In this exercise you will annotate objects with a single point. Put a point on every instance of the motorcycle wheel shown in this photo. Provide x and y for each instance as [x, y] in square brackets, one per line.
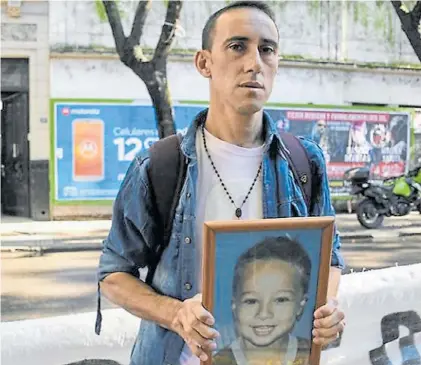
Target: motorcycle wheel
[368, 215]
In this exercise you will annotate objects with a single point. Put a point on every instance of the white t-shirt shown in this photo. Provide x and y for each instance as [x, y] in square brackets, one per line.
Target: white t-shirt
[237, 167]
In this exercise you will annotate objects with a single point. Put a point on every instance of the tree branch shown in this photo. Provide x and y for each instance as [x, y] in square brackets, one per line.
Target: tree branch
[416, 13]
[141, 14]
[116, 26]
[409, 26]
[168, 30]
[397, 5]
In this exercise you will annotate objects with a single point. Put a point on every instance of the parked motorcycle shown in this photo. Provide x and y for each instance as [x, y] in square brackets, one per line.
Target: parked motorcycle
[397, 196]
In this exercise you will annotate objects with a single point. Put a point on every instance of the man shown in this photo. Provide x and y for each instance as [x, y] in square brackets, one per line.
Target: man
[231, 174]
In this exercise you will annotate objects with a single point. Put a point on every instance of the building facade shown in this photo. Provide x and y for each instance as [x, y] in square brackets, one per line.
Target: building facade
[25, 93]
[334, 54]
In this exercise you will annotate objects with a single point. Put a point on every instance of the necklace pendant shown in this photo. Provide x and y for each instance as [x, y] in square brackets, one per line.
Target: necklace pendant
[238, 212]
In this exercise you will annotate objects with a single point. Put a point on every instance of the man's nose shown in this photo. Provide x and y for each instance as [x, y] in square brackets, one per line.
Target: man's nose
[253, 61]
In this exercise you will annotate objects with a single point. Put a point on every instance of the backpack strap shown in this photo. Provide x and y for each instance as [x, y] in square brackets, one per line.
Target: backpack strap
[300, 165]
[166, 171]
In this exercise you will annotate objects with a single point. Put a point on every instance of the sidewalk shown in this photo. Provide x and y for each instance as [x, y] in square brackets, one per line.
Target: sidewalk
[24, 234]
[350, 228]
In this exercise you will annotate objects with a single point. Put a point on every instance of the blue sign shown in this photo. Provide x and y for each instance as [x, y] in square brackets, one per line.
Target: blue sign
[95, 143]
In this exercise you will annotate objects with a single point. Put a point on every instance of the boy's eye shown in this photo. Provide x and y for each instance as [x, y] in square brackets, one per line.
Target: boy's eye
[282, 299]
[250, 301]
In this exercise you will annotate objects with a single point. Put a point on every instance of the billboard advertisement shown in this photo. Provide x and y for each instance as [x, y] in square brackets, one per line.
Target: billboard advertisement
[416, 148]
[349, 138]
[94, 143]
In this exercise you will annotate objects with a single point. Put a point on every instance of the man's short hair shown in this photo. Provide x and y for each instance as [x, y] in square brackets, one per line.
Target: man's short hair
[208, 30]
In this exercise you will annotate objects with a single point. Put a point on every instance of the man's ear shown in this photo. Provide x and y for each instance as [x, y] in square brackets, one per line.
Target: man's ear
[202, 62]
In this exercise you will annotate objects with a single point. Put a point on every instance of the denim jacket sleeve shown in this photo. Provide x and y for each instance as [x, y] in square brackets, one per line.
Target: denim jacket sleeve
[323, 203]
[130, 242]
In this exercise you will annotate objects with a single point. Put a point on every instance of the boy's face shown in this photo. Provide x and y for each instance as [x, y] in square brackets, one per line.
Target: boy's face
[269, 299]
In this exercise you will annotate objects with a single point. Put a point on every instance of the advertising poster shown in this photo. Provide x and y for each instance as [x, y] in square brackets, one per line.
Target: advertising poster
[416, 149]
[95, 142]
[417, 121]
[349, 138]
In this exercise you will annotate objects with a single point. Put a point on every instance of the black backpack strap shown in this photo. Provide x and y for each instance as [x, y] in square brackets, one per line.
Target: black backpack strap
[166, 171]
[300, 165]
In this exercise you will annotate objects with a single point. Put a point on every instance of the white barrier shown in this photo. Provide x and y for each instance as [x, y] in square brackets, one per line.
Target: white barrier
[65, 339]
[390, 295]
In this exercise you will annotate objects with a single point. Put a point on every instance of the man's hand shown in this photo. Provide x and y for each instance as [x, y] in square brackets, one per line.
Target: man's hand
[193, 323]
[328, 324]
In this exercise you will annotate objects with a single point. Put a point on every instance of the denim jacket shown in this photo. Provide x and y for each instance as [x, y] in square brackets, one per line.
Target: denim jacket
[132, 238]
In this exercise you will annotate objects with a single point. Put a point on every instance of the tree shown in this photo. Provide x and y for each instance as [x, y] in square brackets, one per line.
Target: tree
[153, 72]
[411, 24]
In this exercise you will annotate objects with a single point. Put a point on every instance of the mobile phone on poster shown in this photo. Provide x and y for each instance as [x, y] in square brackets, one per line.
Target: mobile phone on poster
[88, 149]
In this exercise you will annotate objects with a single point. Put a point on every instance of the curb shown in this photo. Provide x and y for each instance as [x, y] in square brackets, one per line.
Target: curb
[45, 246]
[374, 236]
[43, 250]
[345, 236]
[41, 246]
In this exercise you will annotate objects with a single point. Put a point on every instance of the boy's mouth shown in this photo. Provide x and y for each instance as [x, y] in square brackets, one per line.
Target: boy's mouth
[263, 330]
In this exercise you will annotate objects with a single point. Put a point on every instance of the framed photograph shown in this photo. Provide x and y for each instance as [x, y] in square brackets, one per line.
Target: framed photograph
[262, 281]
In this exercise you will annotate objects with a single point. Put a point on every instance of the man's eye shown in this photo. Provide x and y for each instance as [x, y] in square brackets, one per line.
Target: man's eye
[236, 47]
[268, 49]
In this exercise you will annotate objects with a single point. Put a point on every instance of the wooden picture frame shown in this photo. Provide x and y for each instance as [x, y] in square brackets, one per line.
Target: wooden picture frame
[229, 247]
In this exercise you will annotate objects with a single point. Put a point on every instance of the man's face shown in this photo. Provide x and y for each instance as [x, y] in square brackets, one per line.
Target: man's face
[243, 59]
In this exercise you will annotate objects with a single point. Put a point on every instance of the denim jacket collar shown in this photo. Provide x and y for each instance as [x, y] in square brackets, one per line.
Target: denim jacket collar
[188, 145]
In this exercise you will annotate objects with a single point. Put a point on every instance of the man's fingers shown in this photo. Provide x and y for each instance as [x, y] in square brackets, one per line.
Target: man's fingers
[324, 311]
[329, 321]
[197, 343]
[197, 350]
[199, 319]
[196, 324]
[206, 331]
[197, 330]
[328, 332]
[203, 315]
[327, 309]
[324, 341]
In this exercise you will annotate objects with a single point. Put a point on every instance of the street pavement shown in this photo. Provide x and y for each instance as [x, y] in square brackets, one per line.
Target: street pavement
[59, 283]
[60, 236]
[49, 268]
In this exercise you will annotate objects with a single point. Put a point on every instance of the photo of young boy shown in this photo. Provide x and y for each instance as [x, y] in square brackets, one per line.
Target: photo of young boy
[269, 293]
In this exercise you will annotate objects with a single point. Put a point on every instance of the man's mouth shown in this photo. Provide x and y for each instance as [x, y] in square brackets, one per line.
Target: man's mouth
[252, 85]
[263, 330]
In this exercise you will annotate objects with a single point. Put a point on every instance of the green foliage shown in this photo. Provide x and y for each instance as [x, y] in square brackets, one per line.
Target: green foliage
[100, 10]
[361, 11]
[314, 6]
[102, 14]
[409, 4]
[377, 15]
[390, 33]
[278, 5]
